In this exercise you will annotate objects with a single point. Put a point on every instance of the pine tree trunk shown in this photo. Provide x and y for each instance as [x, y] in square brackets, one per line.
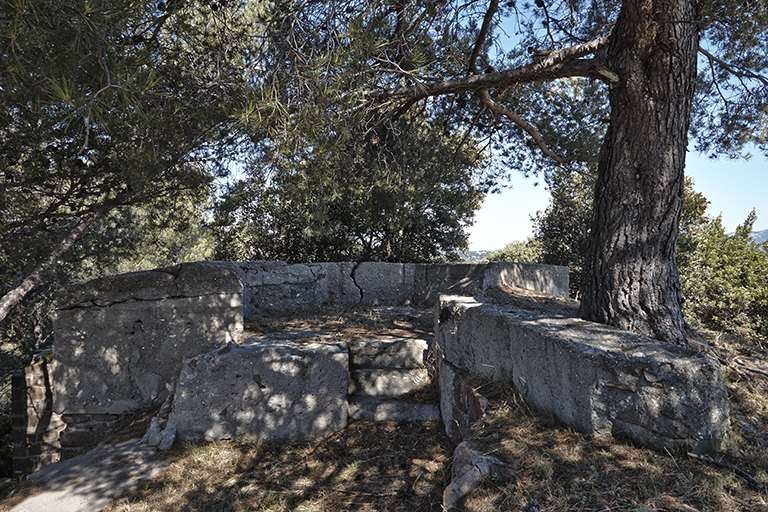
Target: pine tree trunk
[14, 296]
[630, 278]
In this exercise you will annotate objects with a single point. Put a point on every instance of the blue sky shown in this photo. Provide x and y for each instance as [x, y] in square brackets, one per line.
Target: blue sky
[733, 188]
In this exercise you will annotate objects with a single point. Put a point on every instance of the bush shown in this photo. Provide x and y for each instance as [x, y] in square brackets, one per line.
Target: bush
[519, 252]
[724, 279]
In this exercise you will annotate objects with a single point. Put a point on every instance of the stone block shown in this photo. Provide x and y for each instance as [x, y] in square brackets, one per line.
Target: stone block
[388, 353]
[383, 382]
[270, 390]
[596, 378]
[110, 360]
[371, 409]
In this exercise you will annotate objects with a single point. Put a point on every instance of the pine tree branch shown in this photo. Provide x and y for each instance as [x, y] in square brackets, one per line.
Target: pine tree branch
[733, 69]
[557, 64]
[14, 296]
[522, 123]
[492, 8]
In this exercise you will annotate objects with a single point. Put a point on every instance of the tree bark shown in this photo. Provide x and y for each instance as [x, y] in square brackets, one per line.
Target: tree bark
[14, 296]
[630, 277]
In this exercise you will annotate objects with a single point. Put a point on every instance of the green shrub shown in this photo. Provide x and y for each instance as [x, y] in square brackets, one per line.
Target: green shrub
[520, 252]
[724, 279]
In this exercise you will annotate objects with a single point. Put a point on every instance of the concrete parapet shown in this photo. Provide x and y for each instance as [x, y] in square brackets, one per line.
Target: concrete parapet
[120, 341]
[276, 285]
[594, 377]
[271, 390]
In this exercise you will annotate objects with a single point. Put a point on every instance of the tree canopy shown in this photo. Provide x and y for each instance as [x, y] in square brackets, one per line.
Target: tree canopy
[368, 56]
[127, 102]
[103, 105]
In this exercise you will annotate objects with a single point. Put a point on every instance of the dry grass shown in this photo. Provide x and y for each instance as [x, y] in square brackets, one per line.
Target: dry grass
[558, 469]
[367, 467]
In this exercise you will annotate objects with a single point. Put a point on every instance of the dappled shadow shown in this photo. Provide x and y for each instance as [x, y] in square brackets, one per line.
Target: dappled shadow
[388, 466]
[568, 470]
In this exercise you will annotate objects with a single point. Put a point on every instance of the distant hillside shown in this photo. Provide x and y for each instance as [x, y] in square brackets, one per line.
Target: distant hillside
[760, 236]
[475, 256]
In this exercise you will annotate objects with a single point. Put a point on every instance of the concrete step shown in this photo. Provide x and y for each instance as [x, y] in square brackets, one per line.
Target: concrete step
[388, 353]
[386, 382]
[373, 409]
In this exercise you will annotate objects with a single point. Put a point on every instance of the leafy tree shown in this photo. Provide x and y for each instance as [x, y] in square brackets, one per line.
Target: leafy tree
[522, 252]
[725, 278]
[106, 105]
[362, 56]
[393, 192]
[563, 227]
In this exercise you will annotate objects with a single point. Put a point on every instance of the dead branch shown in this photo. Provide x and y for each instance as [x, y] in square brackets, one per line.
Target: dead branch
[522, 123]
[743, 474]
[749, 366]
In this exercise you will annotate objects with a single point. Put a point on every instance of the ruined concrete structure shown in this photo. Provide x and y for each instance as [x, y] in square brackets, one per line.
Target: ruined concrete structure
[123, 343]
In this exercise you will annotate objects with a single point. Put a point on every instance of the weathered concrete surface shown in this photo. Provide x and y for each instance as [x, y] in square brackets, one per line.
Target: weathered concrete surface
[470, 279]
[276, 285]
[279, 391]
[372, 409]
[461, 405]
[387, 367]
[388, 353]
[385, 283]
[120, 341]
[596, 378]
[386, 382]
[279, 286]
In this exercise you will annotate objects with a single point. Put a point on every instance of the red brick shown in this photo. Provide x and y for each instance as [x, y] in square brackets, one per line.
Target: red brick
[51, 436]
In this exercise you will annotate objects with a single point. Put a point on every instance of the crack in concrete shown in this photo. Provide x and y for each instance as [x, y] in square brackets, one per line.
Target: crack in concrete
[354, 280]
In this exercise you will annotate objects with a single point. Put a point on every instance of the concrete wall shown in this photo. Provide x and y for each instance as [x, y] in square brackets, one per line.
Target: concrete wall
[596, 378]
[120, 341]
[274, 285]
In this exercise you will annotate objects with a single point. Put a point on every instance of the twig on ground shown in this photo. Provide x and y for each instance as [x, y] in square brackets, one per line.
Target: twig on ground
[743, 474]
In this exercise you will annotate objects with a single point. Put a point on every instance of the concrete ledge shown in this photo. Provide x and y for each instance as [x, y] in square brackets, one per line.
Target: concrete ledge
[388, 353]
[386, 382]
[596, 378]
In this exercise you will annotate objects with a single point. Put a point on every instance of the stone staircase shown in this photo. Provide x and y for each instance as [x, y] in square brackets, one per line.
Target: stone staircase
[381, 373]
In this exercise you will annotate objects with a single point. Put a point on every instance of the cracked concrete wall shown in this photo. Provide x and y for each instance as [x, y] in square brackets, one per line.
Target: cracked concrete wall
[279, 286]
[120, 340]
